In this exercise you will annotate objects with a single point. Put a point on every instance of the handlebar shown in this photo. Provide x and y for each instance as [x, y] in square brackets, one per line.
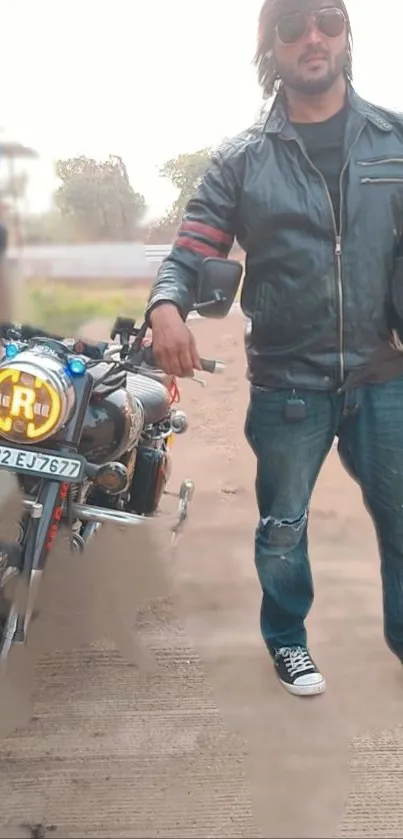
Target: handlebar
[146, 356]
[211, 365]
[95, 352]
[98, 351]
[25, 332]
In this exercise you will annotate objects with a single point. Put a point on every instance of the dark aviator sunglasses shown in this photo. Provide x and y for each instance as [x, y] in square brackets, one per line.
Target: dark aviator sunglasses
[291, 27]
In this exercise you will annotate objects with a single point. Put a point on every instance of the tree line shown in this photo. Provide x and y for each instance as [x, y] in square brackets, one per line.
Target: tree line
[96, 202]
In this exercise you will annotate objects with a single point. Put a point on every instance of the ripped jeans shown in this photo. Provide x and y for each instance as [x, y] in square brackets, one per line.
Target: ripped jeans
[369, 424]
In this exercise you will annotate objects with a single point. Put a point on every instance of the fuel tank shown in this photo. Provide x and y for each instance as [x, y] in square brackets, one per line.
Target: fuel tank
[113, 423]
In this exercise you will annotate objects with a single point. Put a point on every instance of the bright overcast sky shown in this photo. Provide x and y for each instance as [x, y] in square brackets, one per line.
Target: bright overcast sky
[148, 79]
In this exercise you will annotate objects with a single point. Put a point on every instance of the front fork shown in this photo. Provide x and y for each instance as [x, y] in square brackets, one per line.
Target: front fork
[43, 520]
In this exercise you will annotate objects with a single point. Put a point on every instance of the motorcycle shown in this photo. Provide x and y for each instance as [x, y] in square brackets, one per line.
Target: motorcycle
[87, 429]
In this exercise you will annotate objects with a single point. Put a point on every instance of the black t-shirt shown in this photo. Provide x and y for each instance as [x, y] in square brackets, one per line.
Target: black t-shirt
[324, 143]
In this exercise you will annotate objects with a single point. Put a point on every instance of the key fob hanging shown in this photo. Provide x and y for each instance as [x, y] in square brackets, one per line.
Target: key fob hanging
[295, 409]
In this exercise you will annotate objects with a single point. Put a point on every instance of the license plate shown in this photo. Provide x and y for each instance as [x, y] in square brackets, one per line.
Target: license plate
[41, 464]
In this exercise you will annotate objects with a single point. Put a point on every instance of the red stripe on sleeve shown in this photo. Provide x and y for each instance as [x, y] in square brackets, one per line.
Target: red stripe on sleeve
[196, 246]
[213, 233]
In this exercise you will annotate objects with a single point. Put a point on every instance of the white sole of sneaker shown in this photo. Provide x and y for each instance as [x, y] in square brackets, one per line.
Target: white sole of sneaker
[304, 690]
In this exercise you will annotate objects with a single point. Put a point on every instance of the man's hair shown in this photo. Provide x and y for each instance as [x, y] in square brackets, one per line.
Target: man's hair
[264, 55]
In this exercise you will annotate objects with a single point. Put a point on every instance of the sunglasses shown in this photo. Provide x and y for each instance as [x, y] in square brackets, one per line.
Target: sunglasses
[291, 27]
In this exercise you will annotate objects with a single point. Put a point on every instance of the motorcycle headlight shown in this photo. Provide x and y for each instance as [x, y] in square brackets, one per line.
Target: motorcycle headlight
[36, 398]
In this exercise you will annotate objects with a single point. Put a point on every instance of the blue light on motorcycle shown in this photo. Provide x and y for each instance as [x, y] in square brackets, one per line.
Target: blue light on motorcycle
[12, 350]
[76, 366]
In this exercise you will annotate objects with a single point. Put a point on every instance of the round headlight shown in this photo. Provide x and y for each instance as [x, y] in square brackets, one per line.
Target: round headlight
[36, 398]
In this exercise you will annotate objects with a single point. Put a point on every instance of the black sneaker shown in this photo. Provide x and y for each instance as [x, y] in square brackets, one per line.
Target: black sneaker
[297, 672]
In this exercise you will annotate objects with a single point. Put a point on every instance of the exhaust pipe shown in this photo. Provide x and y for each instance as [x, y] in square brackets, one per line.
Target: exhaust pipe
[90, 514]
[100, 515]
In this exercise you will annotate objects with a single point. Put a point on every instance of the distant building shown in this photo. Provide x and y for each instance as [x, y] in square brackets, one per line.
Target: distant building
[94, 261]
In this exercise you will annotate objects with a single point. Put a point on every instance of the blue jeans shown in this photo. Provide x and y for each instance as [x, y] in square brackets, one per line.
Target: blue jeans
[369, 424]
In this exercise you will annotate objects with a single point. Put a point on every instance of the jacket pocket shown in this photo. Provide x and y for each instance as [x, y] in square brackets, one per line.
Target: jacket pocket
[382, 180]
[275, 317]
[390, 171]
[376, 161]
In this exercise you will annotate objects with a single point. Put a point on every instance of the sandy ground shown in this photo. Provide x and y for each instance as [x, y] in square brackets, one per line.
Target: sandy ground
[189, 734]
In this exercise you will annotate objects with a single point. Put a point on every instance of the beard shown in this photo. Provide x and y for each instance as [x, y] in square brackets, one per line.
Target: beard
[295, 79]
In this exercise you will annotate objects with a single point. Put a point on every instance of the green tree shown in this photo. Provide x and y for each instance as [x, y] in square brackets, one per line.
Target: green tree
[185, 173]
[98, 198]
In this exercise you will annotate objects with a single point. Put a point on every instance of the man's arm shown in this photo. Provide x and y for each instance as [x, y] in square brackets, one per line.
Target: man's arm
[208, 229]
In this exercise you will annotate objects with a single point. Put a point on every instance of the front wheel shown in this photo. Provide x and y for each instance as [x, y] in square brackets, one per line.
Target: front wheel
[25, 564]
[8, 631]
[8, 608]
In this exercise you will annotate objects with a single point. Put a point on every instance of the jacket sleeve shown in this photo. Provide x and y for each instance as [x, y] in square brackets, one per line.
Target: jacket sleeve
[207, 229]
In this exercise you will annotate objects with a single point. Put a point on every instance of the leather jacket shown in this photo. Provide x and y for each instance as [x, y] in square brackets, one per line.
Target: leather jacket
[318, 301]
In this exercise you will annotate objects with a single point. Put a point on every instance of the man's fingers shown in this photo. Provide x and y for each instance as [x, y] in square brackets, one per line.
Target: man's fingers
[195, 355]
[177, 357]
[160, 357]
[171, 363]
[186, 361]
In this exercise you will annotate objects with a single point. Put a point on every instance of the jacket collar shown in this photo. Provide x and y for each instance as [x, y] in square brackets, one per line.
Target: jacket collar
[277, 119]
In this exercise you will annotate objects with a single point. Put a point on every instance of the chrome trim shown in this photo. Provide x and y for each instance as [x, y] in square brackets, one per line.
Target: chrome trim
[89, 513]
[86, 512]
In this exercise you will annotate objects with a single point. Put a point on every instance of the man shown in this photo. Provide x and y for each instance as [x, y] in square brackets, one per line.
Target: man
[314, 195]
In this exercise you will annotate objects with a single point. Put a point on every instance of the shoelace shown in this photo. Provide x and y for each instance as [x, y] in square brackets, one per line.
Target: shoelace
[296, 659]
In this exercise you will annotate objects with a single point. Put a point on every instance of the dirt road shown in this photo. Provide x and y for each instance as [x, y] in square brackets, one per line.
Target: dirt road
[205, 743]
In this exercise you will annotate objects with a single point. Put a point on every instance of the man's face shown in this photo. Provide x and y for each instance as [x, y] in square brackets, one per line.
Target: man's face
[311, 46]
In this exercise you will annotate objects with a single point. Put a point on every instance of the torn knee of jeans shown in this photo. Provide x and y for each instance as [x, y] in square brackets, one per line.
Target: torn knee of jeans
[284, 534]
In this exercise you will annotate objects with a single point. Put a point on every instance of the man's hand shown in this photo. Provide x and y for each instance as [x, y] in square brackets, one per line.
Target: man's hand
[174, 346]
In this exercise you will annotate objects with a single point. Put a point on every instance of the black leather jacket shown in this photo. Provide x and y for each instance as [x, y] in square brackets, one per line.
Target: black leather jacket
[317, 300]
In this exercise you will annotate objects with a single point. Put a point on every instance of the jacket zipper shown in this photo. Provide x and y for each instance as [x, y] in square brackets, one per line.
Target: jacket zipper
[379, 160]
[338, 241]
[382, 180]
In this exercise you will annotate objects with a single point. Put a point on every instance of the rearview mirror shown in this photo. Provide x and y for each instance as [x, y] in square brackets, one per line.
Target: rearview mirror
[219, 280]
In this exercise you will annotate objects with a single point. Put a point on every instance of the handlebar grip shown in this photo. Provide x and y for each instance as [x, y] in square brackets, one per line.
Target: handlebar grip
[209, 365]
[147, 355]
